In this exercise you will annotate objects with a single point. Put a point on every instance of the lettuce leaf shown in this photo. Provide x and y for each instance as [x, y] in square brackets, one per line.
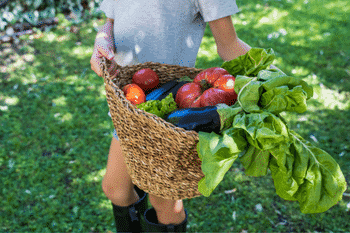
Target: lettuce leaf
[185, 78]
[260, 89]
[251, 63]
[272, 91]
[277, 78]
[307, 174]
[227, 114]
[249, 91]
[300, 171]
[217, 153]
[283, 93]
[159, 107]
[255, 162]
[283, 99]
[262, 130]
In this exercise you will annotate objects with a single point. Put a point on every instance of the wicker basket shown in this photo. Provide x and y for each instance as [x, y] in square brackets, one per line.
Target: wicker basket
[161, 158]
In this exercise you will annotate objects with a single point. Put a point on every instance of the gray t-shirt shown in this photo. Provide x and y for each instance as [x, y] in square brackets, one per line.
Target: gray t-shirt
[164, 31]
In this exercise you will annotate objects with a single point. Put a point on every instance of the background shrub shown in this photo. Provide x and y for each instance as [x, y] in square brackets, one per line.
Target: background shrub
[34, 11]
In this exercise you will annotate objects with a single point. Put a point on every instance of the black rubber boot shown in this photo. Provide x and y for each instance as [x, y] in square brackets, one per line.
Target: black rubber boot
[152, 224]
[128, 218]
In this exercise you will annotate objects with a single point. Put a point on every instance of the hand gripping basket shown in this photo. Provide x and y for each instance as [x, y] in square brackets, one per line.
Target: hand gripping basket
[161, 158]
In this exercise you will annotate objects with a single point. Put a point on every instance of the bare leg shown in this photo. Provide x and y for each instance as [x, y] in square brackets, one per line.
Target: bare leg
[117, 184]
[168, 211]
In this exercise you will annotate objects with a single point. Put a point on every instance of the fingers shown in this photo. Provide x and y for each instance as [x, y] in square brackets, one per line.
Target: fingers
[95, 65]
[102, 49]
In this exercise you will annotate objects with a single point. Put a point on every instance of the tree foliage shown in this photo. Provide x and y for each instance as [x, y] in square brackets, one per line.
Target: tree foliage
[33, 11]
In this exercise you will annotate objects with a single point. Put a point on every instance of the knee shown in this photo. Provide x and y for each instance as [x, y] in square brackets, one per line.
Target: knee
[106, 188]
[109, 189]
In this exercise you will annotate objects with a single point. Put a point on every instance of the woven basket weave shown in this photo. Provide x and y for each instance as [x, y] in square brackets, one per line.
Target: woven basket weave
[161, 158]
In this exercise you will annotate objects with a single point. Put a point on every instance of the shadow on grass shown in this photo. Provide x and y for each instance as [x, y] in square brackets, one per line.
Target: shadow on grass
[55, 133]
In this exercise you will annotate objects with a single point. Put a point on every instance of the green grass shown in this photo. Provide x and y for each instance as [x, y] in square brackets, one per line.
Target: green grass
[55, 132]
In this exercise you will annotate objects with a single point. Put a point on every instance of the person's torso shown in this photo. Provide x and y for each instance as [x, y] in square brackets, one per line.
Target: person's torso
[163, 31]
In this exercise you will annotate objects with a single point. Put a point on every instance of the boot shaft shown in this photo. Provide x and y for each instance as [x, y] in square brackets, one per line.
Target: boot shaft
[128, 218]
[152, 224]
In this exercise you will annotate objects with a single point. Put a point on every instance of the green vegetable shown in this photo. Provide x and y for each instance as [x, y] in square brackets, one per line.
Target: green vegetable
[300, 171]
[227, 114]
[253, 130]
[186, 78]
[262, 131]
[272, 91]
[217, 153]
[307, 174]
[159, 107]
[255, 161]
[251, 63]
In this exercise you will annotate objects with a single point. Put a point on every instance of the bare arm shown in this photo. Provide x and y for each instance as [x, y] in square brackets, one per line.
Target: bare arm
[104, 47]
[229, 46]
[106, 31]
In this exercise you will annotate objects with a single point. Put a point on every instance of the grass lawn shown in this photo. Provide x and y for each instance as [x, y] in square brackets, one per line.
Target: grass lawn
[55, 132]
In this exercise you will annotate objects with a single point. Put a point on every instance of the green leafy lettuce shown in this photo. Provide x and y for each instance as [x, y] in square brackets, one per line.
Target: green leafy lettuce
[217, 152]
[253, 131]
[300, 171]
[159, 107]
[251, 63]
[185, 78]
[304, 173]
[255, 161]
[272, 91]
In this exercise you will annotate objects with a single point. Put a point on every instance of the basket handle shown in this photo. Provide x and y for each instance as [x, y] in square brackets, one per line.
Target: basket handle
[104, 66]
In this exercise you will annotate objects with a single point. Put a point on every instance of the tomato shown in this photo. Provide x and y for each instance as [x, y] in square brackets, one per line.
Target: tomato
[187, 94]
[147, 79]
[134, 94]
[210, 74]
[210, 87]
[213, 96]
[227, 84]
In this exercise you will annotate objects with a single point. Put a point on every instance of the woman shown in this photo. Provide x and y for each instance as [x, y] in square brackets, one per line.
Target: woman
[167, 32]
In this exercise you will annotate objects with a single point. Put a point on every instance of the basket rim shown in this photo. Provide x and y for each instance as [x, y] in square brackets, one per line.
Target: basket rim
[133, 108]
